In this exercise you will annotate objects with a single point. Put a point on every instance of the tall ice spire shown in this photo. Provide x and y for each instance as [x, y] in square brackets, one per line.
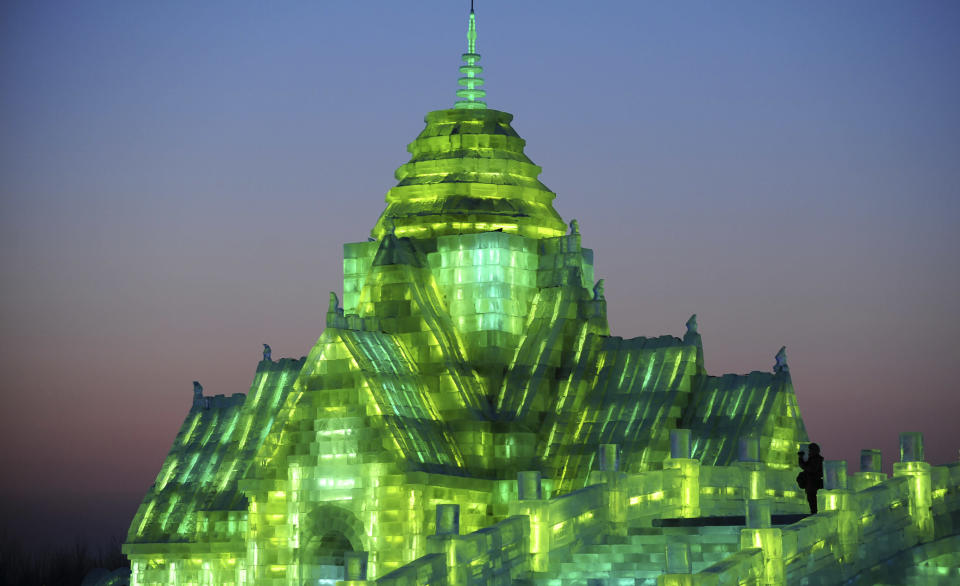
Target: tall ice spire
[471, 91]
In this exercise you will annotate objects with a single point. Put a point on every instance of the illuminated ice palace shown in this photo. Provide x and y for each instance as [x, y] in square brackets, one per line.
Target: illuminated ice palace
[467, 418]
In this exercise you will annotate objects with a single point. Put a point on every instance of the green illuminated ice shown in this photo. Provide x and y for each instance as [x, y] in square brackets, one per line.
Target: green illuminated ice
[466, 417]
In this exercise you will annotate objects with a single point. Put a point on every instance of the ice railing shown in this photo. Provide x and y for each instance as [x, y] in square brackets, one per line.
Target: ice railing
[864, 519]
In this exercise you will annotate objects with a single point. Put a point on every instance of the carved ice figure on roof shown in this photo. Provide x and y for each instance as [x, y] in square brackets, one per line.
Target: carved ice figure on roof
[598, 291]
[267, 352]
[335, 304]
[692, 324]
[781, 358]
[197, 394]
[574, 227]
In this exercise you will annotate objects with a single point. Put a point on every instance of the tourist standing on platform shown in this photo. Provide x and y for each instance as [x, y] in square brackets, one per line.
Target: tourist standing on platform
[811, 479]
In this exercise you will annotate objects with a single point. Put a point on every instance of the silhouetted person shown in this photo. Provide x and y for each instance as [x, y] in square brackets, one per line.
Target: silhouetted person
[812, 475]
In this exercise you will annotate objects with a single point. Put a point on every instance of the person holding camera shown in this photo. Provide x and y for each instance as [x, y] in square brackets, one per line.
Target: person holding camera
[811, 479]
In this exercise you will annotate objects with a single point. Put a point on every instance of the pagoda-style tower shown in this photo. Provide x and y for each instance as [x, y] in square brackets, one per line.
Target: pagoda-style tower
[470, 347]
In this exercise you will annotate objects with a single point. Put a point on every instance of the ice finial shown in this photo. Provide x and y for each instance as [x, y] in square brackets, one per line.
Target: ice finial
[781, 358]
[471, 92]
[598, 291]
[198, 399]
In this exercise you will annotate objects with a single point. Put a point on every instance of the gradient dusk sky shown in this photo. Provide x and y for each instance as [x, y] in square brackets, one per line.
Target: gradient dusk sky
[177, 180]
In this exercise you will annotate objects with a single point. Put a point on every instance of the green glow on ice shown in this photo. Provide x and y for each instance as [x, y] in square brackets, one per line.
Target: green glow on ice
[471, 363]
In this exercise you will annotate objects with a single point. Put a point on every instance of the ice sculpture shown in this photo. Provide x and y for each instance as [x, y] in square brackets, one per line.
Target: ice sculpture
[466, 417]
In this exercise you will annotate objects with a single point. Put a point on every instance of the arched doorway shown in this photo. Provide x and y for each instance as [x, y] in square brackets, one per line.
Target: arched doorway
[321, 562]
[326, 535]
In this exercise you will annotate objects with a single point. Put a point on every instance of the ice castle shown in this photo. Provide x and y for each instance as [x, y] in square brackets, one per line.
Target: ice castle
[467, 418]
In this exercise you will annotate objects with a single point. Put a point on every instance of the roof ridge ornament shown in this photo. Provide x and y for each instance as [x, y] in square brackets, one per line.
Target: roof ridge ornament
[781, 364]
[471, 92]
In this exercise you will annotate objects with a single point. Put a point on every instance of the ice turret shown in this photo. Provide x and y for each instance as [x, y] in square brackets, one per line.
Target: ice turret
[468, 173]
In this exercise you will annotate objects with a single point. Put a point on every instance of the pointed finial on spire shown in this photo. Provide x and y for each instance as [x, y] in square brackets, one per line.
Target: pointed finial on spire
[471, 92]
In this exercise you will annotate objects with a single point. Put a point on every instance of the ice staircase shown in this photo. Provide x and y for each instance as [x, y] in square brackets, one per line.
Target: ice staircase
[936, 563]
[639, 557]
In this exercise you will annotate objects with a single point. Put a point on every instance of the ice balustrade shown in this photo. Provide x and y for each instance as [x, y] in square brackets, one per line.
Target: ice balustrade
[854, 531]
[498, 554]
